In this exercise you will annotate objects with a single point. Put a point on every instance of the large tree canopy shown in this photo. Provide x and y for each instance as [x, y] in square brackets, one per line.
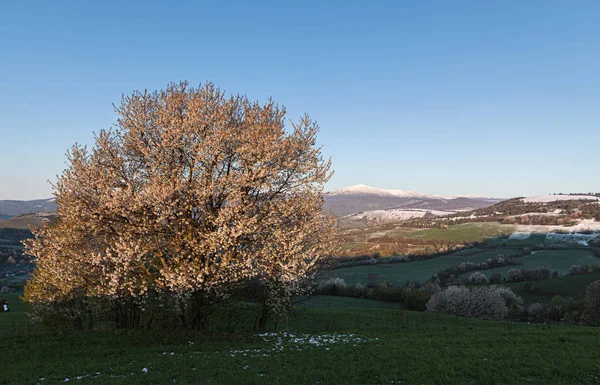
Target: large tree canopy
[191, 190]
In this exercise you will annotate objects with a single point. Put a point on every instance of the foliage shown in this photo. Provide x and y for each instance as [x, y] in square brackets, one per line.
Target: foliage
[491, 303]
[472, 350]
[478, 278]
[191, 194]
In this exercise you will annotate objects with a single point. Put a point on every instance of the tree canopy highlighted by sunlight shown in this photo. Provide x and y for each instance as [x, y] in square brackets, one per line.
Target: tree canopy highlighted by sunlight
[191, 191]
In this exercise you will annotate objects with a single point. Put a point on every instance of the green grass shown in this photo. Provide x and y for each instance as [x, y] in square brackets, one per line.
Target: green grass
[534, 239]
[396, 347]
[467, 232]
[560, 260]
[568, 287]
[401, 273]
[319, 301]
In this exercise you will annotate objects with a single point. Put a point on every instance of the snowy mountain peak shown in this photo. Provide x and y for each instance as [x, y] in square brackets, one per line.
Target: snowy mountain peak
[361, 189]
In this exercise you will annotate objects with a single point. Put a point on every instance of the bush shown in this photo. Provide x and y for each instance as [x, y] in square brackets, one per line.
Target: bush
[432, 287]
[478, 278]
[578, 270]
[399, 259]
[534, 309]
[416, 299]
[513, 302]
[496, 278]
[331, 286]
[557, 308]
[490, 303]
[514, 275]
[541, 272]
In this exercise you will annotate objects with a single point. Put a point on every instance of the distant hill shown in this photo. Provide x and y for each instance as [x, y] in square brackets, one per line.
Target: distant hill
[26, 221]
[13, 208]
[362, 198]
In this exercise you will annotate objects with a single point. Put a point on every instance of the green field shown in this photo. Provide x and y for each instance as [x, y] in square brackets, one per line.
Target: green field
[568, 287]
[534, 239]
[401, 273]
[350, 342]
[560, 260]
[336, 340]
[467, 232]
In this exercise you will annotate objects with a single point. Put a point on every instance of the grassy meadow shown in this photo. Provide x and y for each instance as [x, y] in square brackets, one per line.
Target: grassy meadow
[467, 232]
[324, 341]
[401, 273]
[559, 260]
[330, 339]
[543, 291]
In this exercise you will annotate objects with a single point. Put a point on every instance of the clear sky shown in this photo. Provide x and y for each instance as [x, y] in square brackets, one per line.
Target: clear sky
[500, 98]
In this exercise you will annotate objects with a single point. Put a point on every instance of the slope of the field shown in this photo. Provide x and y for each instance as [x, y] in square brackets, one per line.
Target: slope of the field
[467, 232]
[559, 260]
[28, 221]
[543, 291]
[328, 345]
[401, 273]
[387, 239]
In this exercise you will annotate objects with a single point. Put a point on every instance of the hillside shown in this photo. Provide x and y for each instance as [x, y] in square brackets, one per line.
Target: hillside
[362, 198]
[27, 221]
[326, 340]
[12, 208]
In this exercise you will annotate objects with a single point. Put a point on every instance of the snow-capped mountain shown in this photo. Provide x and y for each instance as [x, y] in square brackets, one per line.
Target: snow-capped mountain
[362, 198]
[362, 189]
[12, 208]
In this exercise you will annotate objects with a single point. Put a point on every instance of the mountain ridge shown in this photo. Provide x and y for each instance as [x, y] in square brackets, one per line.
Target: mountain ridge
[362, 189]
[361, 198]
[10, 208]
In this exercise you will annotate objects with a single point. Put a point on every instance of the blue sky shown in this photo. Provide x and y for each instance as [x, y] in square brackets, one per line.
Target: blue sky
[475, 97]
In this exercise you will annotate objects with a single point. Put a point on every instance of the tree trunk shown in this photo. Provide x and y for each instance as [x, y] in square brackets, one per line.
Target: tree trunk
[262, 321]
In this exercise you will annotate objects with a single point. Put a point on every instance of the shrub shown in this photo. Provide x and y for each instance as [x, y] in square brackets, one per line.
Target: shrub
[331, 286]
[514, 275]
[416, 299]
[557, 308]
[534, 309]
[491, 303]
[513, 302]
[496, 278]
[432, 287]
[578, 270]
[478, 278]
[358, 290]
[399, 259]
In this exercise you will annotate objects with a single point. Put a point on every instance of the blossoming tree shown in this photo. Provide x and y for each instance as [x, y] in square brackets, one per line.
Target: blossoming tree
[191, 191]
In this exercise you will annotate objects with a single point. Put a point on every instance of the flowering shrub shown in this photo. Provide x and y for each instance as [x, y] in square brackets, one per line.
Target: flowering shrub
[578, 270]
[478, 278]
[514, 275]
[490, 303]
[533, 309]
